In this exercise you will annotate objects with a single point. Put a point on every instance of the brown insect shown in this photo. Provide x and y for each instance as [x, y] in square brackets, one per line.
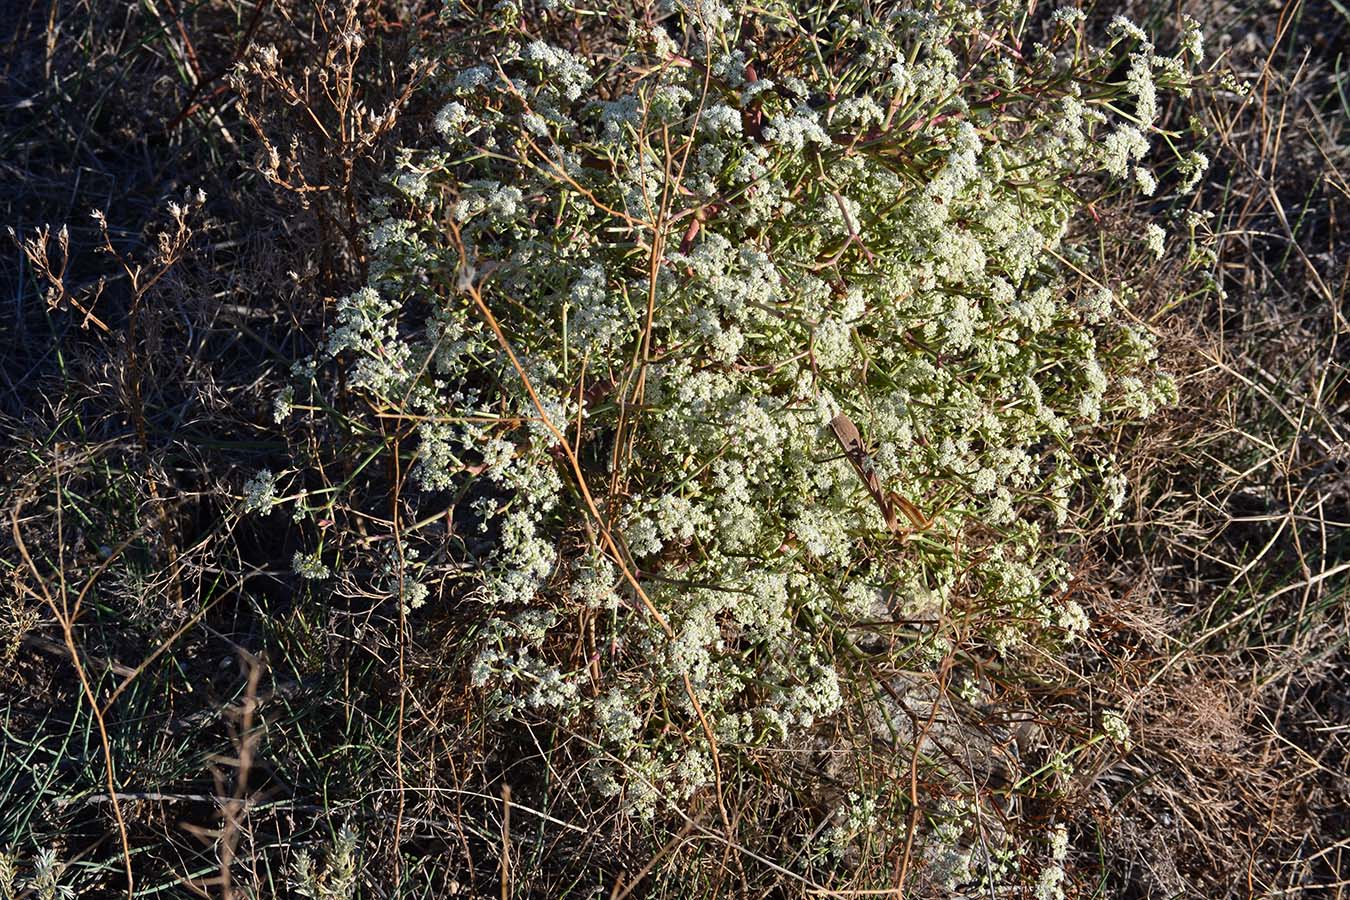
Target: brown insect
[851, 441]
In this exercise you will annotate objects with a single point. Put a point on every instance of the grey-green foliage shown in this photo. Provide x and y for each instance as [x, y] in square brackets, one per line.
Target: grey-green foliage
[48, 880]
[703, 240]
[338, 879]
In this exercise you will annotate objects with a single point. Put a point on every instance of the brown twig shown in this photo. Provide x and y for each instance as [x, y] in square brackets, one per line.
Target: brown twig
[65, 618]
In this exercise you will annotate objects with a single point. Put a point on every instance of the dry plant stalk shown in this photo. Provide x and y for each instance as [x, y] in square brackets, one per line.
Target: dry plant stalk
[66, 614]
[35, 250]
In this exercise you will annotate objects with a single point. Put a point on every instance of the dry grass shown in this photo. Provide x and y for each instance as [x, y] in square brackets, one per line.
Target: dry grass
[248, 718]
[1230, 587]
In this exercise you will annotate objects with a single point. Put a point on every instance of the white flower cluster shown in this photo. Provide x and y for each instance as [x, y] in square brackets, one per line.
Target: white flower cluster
[1116, 728]
[1123, 151]
[852, 821]
[260, 492]
[1050, 885]
[310, 566]
[694, 291]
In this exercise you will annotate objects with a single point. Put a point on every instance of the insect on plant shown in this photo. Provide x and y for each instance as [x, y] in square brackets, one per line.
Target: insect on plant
[851, 441]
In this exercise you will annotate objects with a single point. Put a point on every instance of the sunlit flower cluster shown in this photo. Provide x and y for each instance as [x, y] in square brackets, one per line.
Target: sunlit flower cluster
[699, 252]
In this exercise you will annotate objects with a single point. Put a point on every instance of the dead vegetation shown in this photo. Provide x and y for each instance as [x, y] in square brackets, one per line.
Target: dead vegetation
[1230, 585]
[225, 721]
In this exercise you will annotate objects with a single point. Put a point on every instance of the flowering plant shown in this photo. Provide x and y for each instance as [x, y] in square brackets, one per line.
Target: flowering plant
[622, 287]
